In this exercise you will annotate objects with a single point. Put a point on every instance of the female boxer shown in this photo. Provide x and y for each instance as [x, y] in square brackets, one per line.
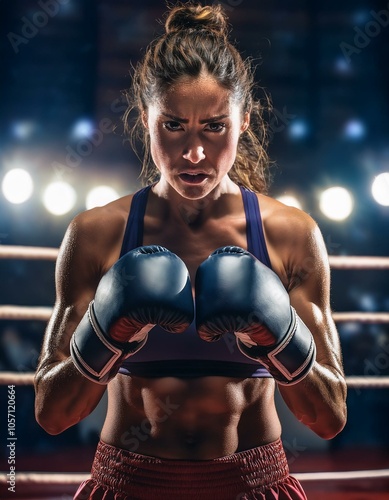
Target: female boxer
[193, 299]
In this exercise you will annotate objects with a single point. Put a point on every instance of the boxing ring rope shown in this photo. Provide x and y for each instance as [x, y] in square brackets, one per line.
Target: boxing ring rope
[336, 261]
[43, 314]
[358, 262]
[355, 382]
[25, 313]
[30, 253]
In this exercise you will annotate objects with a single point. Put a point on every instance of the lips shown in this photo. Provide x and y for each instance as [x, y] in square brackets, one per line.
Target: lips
[193, 178]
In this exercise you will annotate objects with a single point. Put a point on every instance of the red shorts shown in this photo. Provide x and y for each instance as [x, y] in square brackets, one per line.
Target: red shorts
[261, 473]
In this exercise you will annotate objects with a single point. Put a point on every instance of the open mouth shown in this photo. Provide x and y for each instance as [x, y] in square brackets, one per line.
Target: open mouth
[193, 178]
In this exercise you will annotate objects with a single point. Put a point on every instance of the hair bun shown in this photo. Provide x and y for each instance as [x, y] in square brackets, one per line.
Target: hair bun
[195, 16]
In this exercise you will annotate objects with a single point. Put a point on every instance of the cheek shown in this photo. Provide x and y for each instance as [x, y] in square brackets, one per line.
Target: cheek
[160, 148]
[227, 151]
[155, 137]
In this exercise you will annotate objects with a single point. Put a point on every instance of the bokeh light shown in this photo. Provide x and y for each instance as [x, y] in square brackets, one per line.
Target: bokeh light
[336, 203]
[82, 129]
[59, 198]
[298, 129]
[354, 130]
[100, 195]
[17, 186]
[380, 189]
[290, 200]
[23, 130]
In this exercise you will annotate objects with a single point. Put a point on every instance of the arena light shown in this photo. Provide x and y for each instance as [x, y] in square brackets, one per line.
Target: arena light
[336, 203]
[290, 200]
[59, 198]
[368, 302]
[82, 129]
[342, 66]
[67, 9]
[380, 189]
[360, 16]
[17, 186]
[23, 129]
[99, 196]
[298, 129]
[354, 129]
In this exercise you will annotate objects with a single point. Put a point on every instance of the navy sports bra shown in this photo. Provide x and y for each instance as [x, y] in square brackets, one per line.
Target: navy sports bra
[187, 355]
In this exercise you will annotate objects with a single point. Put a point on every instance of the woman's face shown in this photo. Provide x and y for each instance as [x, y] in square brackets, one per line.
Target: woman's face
[194, 131]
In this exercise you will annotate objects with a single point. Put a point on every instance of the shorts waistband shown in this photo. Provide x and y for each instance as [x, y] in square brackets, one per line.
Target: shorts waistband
[127, 472]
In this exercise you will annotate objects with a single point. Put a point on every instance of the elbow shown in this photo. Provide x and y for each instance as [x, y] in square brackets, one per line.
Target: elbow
[332, 425]
[51, 429]
[48, 415]
[331, 430]
[51, 417]
[339, 422]
[51, 422]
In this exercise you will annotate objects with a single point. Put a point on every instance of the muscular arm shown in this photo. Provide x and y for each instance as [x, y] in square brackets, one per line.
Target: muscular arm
[63, 395]
[319, 400]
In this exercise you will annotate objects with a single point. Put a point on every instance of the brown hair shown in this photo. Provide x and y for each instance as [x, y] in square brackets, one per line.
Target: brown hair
[196, 41]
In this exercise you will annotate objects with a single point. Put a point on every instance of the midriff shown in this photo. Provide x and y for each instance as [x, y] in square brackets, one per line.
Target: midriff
[190, 419]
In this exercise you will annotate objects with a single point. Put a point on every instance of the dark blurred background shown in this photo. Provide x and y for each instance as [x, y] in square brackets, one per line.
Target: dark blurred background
[64, 67]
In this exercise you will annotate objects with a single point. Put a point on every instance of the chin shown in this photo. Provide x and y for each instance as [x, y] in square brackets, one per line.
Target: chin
[194, 193]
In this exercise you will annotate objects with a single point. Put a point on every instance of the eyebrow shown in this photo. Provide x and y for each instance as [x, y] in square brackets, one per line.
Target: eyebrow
[206, 120]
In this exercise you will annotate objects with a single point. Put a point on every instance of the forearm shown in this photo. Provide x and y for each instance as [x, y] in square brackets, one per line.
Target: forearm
[319, 400]
[64, 396]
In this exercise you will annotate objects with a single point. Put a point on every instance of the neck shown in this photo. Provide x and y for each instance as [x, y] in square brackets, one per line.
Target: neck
[193, 213]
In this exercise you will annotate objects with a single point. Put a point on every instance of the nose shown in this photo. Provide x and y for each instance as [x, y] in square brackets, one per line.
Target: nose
[194, 154]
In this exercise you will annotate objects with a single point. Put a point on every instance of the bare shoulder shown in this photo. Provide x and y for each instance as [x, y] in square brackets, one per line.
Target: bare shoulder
[98, 232]
[104, 222]
[284, 222]
[293, 237]
[91, 246]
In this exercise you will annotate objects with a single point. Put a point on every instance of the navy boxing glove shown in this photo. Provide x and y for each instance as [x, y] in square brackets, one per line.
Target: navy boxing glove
[235, 292]
[147, 286]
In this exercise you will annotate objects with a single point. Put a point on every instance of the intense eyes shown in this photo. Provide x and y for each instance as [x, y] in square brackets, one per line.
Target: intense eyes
[216, 126]
[173, 126]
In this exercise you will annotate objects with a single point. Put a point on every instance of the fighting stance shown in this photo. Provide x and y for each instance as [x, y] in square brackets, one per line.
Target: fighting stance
[192, 300]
